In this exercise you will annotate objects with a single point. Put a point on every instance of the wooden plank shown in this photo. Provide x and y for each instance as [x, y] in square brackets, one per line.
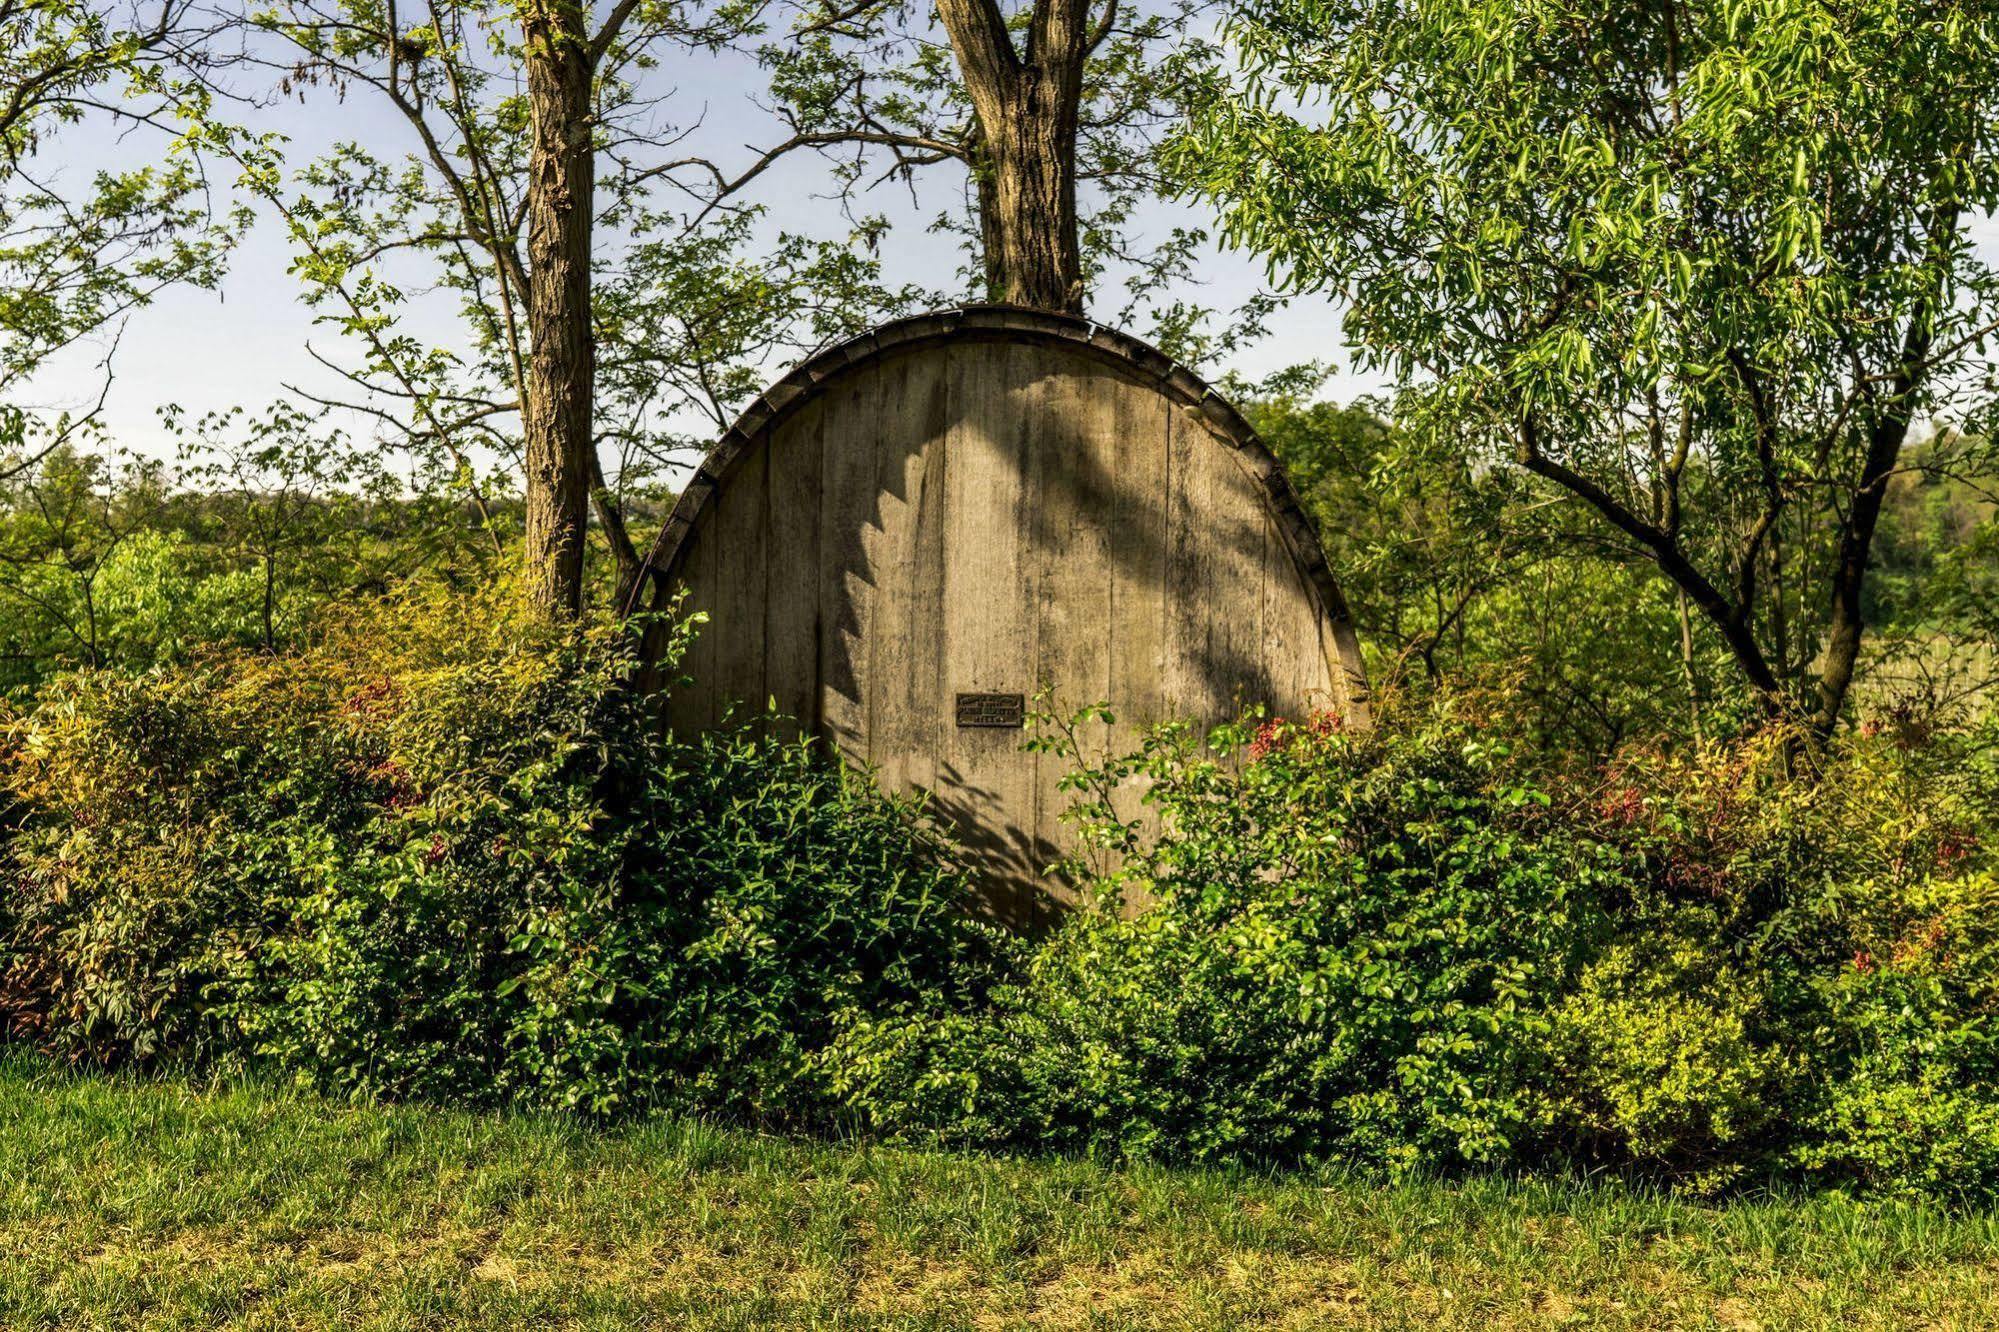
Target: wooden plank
[845, 578]
[736, 629]
[1072, 483]
[1137, 549]
[1239, 526]
[792, 563]
[1296, 646]
[905, 711]
[691, 706]
[1189, 681]
[985, 781]
[1214, 577]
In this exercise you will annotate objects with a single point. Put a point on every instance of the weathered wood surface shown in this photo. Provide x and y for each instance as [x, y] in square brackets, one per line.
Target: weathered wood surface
[997, 501]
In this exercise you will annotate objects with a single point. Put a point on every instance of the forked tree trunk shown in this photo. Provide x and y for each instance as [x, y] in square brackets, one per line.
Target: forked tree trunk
[1027, 110]
[561, 374]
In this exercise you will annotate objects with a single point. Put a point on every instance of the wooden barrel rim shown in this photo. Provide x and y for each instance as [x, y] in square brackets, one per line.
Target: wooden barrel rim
[1018, 323]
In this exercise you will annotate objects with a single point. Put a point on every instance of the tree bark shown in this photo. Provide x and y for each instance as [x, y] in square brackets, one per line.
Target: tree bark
[559, 447]
[1887, 432]
[1040, 259]
[1028, 110]
[624, 554]
[1846, 624]
[992, 241]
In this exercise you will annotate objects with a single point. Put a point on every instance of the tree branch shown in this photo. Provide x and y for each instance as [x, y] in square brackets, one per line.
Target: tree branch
[1664, 550]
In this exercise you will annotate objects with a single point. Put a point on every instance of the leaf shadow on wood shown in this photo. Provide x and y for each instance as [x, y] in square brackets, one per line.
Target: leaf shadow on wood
[999, 428]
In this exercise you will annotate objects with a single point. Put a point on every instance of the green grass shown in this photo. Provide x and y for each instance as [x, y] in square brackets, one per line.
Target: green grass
[178, 1205]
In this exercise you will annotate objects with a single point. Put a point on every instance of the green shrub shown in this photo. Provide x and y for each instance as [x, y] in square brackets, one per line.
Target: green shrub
[447, 852]
[162, 823]
[1909, 1101]
[1846, 922]
[1663, 1058]
[1393, 948]
[1354, 948]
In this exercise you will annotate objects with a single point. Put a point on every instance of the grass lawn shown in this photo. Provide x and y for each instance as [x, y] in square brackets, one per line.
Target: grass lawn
[172, 1205]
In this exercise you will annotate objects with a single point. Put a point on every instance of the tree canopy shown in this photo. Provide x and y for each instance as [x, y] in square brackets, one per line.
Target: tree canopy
[81, 250]
[1705, 265]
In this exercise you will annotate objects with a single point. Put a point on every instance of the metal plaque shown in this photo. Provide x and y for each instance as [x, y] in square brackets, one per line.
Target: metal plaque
[1008, 711]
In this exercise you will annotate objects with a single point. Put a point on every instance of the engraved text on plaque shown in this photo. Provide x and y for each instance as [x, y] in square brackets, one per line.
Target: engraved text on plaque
[994, 710]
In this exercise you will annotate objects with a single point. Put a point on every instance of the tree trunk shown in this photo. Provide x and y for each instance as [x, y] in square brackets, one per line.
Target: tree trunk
[624, 555]
[270, 602]
[1885, 437]
[561, 375]
[1039, 261]
[1856, 540]
[1027, 112]
[1687, 668]
[992, 243]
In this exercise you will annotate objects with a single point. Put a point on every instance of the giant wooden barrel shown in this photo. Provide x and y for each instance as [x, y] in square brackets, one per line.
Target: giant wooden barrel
[914, 533]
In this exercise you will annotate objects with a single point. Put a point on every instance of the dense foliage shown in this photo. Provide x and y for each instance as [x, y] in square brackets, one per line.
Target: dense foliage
[1394, 948]
[1479, 584]
[1700, 266]
[1351, 952]
[445, 852]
